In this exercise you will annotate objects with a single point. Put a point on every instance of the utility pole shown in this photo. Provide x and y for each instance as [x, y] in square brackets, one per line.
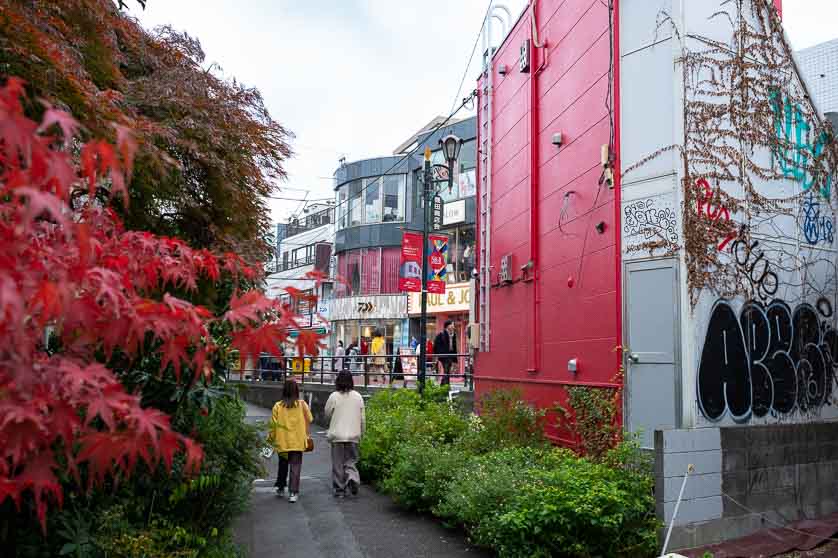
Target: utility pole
[427, 189]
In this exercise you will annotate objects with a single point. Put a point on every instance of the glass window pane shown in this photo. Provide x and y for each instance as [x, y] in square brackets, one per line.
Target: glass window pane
[356, 207]
[343, 206]
[394, 198]
[465, 253]
[372, 200]
[467, 159]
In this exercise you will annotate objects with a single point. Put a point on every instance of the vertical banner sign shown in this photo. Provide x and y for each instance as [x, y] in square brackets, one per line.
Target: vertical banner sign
[436, 209]
[410, 266]
[437, 263]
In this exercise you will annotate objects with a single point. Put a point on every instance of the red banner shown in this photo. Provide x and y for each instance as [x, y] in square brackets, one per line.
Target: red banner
[437, 263]
[410, 265]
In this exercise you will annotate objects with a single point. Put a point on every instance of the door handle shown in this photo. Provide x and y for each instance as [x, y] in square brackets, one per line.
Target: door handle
[634, 358]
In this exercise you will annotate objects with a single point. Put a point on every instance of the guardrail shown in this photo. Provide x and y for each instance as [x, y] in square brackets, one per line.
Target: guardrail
[364, 369]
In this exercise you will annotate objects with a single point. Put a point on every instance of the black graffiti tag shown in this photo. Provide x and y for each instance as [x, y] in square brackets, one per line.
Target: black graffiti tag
[768, 360]
[756, 269]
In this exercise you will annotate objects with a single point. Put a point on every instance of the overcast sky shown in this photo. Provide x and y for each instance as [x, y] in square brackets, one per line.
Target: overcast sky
[357, 77]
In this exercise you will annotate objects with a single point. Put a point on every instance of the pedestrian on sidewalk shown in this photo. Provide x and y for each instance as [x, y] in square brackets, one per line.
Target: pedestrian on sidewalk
[291, 427]
[345, 412]
[340, 352]
[379, 361]
[445, 347]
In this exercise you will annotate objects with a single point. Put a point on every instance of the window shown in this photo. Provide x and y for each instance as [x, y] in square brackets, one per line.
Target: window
[356, 207]
[372, 200]
[343, 206]
[393, 198]
[461, 241]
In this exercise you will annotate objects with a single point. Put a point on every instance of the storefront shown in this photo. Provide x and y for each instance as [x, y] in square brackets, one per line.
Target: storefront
[454, 305]
[355, 319]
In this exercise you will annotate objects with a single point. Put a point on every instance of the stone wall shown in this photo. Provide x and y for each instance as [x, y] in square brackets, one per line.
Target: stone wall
[746, 478]
[265, 394]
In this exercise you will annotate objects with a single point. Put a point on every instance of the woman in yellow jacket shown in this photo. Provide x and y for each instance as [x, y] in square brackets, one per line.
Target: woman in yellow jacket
[290, 428]
[378, 349]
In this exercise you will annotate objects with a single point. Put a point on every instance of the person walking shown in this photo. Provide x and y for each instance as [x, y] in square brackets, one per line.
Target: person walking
[345, 412]
[291, 433]
[379, 361]
[445, 347]
[340, 353]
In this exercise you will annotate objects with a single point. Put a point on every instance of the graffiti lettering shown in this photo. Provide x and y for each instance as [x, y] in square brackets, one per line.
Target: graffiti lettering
[643, 219]
[706, 209]
[769, 360]
[755, 268]
[816, 228]
[793, 151]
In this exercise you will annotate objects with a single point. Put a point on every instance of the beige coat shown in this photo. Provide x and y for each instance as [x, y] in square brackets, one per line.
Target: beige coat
[345, 411]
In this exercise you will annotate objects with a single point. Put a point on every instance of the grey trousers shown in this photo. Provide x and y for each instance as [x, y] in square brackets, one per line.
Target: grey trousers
[290, 469]
[344, 469]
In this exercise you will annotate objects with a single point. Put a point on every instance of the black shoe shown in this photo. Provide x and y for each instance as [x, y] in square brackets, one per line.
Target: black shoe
[353, 487]
[339, 495]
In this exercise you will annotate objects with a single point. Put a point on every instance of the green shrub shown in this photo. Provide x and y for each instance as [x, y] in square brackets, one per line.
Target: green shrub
[579, 509]
[505, 420]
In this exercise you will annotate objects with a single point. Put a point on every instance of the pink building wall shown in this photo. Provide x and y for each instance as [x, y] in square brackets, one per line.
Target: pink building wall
[546, 204]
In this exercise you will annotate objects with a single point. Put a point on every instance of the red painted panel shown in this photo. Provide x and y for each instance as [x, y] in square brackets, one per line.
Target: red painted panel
[578, 320]
[583, 35]
[574, 160]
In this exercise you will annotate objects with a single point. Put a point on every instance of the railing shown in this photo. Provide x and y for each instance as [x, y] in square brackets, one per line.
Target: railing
[365, 372]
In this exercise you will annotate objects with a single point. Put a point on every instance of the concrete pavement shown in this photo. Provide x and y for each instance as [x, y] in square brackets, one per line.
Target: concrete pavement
[320, 526]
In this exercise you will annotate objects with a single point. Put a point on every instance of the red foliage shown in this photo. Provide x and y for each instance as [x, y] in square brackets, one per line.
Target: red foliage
[97, 288]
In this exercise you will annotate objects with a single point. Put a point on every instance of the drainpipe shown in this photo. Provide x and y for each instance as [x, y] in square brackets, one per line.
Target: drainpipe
[534, 356]
[618, 180]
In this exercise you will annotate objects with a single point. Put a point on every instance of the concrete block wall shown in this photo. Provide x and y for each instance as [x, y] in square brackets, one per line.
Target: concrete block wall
[746, 478]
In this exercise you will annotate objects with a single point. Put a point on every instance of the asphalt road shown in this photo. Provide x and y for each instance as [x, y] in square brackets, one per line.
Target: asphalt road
[318, 525]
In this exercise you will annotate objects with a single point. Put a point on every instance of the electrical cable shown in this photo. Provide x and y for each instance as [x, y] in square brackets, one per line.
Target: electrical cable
[375, 180]
[470, 58]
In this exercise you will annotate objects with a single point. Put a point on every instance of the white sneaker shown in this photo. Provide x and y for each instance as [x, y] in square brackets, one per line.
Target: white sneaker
[293, 498]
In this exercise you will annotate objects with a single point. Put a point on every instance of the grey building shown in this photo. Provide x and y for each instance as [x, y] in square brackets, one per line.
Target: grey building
[376, 201]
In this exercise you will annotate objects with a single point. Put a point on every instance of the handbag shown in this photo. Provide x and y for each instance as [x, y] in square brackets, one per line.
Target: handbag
[309, 444]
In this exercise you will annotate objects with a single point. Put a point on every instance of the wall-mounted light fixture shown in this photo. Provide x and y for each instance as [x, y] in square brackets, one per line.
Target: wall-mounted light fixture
[600, 227]
[502, 69]
[557, 139]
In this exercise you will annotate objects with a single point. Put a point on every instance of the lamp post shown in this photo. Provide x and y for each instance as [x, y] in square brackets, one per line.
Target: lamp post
[451, 150]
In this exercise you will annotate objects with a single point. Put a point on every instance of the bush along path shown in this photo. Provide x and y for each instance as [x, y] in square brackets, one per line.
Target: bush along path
[497, 478]
[318, 525]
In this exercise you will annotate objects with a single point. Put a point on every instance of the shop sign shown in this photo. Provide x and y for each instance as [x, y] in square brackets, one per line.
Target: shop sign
[436, 213]
[456, 298]
[382, 307]
[437, 263]
[454, 212]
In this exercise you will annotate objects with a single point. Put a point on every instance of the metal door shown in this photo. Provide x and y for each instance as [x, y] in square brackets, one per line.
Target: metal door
[653, 399]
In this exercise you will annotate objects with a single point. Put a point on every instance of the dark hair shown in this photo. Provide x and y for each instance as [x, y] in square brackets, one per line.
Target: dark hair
[344, 381]
[290, 393]
[447, 323]
[340, 343]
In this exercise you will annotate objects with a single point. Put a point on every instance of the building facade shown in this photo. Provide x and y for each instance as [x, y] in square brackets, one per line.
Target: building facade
[306, 247]
[376, 201]
[819, 66]
[656, 217]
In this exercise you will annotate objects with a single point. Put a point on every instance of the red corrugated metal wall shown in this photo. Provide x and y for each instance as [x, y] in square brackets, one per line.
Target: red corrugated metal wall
[577, 298]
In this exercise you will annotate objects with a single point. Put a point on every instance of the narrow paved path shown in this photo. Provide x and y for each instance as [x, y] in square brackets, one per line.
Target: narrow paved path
[320, 526]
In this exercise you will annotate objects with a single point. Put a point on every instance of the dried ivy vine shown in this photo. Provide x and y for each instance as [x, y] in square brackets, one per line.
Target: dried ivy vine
[749, 129]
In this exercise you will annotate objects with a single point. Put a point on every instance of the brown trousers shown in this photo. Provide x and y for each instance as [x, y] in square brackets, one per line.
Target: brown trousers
[344, 469]
[290, 469]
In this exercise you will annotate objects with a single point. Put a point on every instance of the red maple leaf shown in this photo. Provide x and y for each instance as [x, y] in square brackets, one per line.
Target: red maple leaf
[64, 120]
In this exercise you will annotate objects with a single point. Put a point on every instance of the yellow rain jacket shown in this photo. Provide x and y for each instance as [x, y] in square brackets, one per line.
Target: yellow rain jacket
[289, 426]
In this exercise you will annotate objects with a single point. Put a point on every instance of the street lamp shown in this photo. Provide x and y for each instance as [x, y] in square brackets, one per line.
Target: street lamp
[451, 145]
